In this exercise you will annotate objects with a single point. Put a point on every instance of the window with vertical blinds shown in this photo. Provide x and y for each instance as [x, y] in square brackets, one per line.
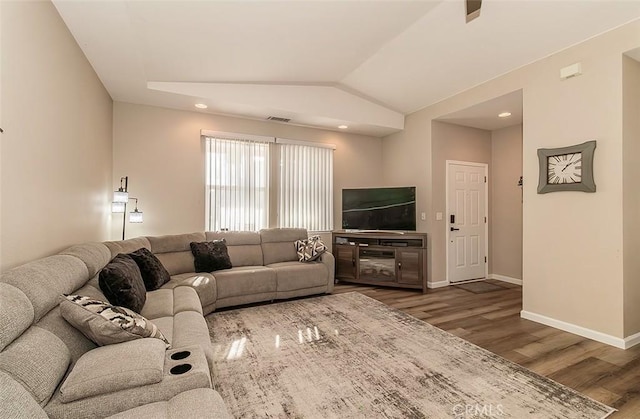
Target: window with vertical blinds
[237, 184]
[238, 171]
[305, 186]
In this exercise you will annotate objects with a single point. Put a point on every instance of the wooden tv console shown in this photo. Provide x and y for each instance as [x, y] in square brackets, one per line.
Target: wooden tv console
[381, 258]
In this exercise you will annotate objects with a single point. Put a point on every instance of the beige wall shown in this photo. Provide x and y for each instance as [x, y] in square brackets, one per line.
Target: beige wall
[56, 146]
[162, 153]
[572, 242]
[506, 198]
[631, 191]
[451, 142]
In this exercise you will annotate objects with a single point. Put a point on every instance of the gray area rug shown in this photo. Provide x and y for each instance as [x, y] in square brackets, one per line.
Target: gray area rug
[480, 287]
[350, 356]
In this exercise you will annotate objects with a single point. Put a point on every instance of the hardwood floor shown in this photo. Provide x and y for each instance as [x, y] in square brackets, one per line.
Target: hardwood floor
[492, 320]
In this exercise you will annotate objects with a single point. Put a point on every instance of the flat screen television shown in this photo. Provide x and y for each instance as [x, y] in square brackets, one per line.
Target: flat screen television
[379, 209]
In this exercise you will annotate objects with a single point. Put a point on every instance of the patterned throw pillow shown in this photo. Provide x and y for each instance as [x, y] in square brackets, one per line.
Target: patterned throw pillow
[210, 256]
[122, 284]
[153, 272]
[310, 249]
[106, 324]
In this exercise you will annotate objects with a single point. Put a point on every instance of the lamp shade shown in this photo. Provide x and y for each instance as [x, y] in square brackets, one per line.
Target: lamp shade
[135, 216]
[121, 196]
[118, 207]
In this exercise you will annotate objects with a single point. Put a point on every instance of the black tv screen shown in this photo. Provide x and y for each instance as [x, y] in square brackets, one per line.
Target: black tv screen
[379, 209]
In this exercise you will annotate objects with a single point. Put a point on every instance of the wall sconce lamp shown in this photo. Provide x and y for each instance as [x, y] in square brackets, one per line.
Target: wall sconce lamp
[119, 204]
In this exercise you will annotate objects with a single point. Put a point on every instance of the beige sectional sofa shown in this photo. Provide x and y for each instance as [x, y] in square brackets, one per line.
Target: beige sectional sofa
[49, 369]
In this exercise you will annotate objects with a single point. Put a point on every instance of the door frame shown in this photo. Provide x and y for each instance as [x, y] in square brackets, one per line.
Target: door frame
[485, 166]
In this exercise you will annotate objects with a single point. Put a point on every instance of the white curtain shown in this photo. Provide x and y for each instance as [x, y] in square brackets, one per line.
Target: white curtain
[305, 187]
[237, 184]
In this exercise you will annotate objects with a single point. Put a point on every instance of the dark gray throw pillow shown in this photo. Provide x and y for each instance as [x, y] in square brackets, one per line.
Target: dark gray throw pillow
[153, 272]
[121, 282]
[210, 256]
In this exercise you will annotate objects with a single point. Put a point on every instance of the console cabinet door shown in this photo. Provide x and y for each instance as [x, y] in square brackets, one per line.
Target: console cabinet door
[409, 266]
[346, 261]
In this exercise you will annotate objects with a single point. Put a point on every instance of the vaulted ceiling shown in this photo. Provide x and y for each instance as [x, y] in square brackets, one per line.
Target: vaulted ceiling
[364, 64]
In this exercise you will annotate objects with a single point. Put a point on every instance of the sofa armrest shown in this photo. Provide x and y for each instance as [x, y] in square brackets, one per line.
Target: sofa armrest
[330, 262]
[198, 403]
[112, 368]
[184, 369]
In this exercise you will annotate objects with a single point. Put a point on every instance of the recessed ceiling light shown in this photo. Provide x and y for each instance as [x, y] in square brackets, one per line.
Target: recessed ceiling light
[201, 106]
[504, 114]
[343, 126]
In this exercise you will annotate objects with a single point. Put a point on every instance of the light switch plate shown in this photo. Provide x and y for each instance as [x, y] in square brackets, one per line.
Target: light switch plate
[438, 216]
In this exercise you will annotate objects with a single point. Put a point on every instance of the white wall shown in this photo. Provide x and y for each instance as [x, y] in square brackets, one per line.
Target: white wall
[56, 146]
[451, 142]
[162, 153]
[631, 191]
[572, 242]
[506, 198]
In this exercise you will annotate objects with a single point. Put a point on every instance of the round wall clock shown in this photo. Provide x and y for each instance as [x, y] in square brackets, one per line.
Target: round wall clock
[567, 168]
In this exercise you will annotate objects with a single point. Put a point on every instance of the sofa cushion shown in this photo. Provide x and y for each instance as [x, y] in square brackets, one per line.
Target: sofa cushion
[43, 280]
[38, 360]
[154, 274]
[278, 244]
[198, 403]
[298, 275]
[121, 282]
[174, 242]
[127, 246]
[170, 301]
[16, 402]
[310, 249]
[177, 262]
[244, 247]
[105, 324]
[210, 256]
[16, 313]
[245, 280]
[203, 283]
[113, 368]
[94, 255]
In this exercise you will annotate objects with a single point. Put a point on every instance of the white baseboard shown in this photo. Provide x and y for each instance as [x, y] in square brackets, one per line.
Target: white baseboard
[625, 343]
[505, 278]
[632, 340]
[438, 284]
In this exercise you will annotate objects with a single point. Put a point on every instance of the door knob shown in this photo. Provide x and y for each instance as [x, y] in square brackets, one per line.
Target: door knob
[454, 229]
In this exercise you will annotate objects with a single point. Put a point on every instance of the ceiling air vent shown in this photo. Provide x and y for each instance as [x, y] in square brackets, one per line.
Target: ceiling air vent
[278, 119]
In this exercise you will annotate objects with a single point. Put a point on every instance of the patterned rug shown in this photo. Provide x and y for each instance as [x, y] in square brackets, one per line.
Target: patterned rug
[349, 356]
[480, 287]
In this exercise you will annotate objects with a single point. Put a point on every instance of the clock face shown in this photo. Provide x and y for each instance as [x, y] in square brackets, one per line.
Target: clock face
[564, 168]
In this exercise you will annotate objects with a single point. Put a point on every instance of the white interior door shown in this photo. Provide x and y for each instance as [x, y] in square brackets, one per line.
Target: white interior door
[466, 222]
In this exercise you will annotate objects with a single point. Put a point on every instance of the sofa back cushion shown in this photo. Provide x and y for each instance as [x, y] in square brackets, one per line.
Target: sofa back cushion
[127, 246]
[43, 280]
[278, 244]
[94, 255]
[243, 246]
[16, 314]
[174, 251]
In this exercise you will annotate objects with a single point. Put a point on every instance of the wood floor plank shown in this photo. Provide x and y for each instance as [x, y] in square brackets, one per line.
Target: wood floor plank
[492, 320]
